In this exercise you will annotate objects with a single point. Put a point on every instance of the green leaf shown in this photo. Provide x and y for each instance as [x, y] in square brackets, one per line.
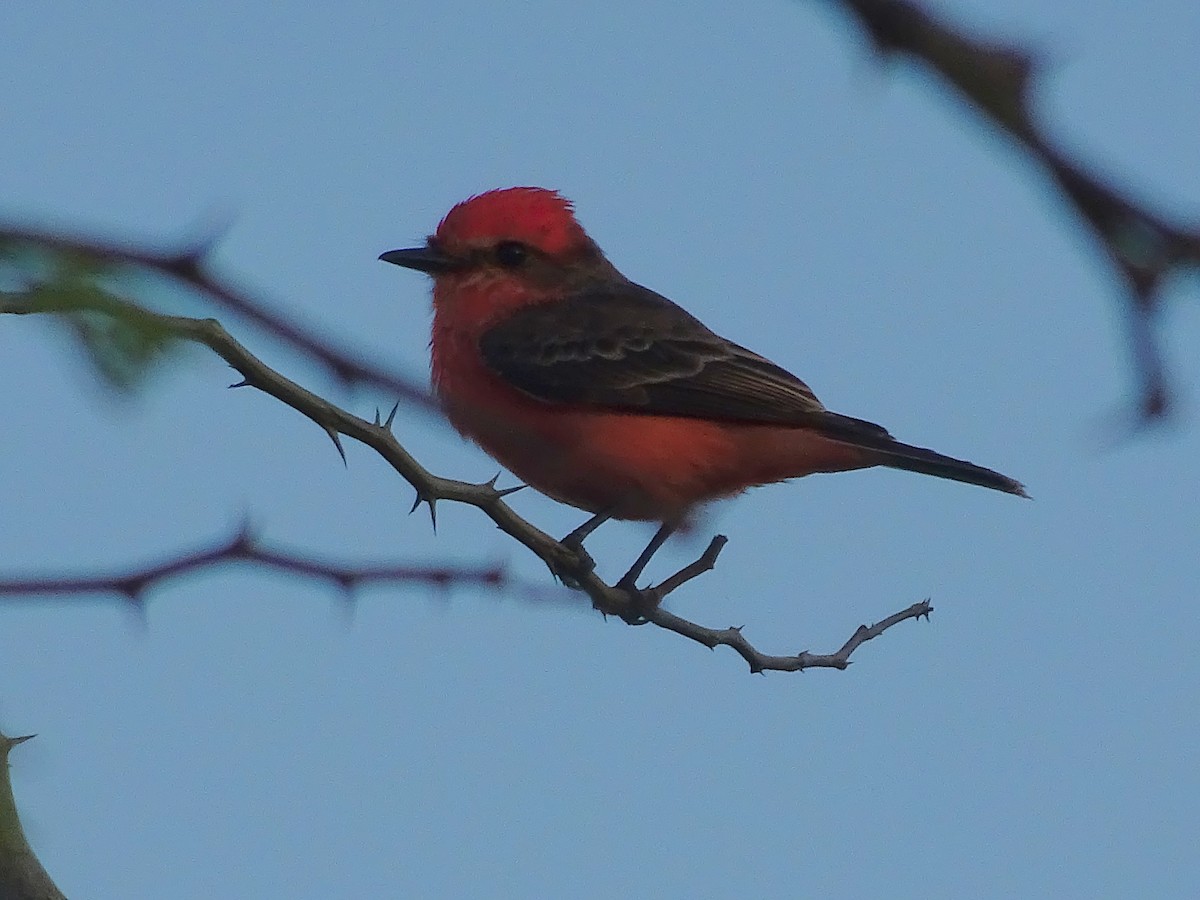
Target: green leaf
[122, 343]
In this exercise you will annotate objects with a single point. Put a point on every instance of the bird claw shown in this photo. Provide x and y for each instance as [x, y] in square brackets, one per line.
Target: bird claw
[574, 543]
[566, 570]
[642, 602]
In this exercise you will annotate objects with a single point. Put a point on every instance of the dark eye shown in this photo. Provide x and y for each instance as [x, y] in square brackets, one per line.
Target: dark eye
[511, 254]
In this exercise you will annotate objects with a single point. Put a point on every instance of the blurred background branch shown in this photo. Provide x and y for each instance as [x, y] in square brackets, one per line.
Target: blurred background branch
[996, 80]
[134, 584]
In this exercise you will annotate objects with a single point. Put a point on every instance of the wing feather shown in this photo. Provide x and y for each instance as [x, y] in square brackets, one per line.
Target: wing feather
[627, 348]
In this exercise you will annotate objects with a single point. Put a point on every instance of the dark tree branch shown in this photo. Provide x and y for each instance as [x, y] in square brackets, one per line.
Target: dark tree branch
[995, 79]
[189, 267]
[572, 565]
[134, 584]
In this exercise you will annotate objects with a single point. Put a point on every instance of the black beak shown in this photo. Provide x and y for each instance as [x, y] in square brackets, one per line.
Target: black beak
[423, 259]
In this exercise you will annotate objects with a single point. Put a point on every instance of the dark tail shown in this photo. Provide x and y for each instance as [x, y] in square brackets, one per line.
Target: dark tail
[890, 452]
[927, 462]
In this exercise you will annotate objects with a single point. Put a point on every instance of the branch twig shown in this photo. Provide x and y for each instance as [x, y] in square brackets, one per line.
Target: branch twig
[761, 662]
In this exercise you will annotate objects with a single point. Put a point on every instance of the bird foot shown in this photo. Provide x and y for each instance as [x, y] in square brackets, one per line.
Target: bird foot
[642, 601]
[574, 543]
[567, 570]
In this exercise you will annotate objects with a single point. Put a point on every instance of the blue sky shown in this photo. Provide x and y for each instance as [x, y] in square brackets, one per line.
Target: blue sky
[247, 738]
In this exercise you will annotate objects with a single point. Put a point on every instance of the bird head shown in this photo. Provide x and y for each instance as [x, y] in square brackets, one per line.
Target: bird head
[524, 233]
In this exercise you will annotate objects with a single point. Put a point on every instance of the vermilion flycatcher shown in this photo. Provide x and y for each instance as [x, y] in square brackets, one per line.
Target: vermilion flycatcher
[607, 396]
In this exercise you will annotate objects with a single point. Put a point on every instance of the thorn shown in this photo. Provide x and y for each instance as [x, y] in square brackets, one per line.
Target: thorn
[207, 233]
[337, 442]
[347, 604]
[135, 602]
[391, 416]
[243, 538]
[345, 587]
[432, 501]
[188, 262]
[377, 422]
[131, 589]
[243, 383]
[490, 484]
[7, 743]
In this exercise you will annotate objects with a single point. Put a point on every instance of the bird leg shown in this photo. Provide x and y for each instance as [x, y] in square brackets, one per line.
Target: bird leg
[575, 539]
[628, 581]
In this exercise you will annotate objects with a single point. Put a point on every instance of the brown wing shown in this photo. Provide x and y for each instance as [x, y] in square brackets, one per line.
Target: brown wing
[627, 348]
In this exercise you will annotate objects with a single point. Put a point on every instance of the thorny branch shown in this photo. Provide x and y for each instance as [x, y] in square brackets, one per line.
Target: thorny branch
[574, 567]
[761, 662]
[995, 79]
[135, 583]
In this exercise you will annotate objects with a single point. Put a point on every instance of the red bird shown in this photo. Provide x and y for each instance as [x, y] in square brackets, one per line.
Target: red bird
[609, 397]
